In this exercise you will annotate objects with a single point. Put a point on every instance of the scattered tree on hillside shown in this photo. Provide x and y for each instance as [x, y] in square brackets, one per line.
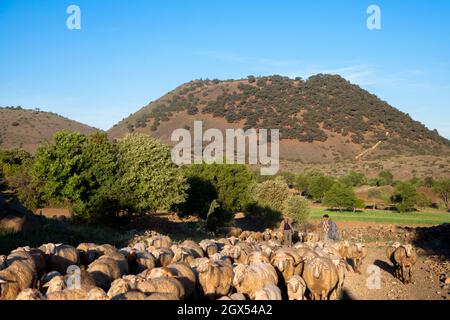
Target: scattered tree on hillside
[340, 196]
[148, 179]
[297, 208]
[442, 188]
[405, 196]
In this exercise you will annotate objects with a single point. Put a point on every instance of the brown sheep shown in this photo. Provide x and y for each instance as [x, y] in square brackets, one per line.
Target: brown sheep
[20, 274]
[269, 292]
[215, 279]
[30, 295]
[162, 296]
[131, 295]
[183, 273]
[163, 285]
[287, 262]
[209, 247]
[60, 257]
[193, 247]
[182, 255]
[296, 288]
[267, 235]
[87, 253]
[2, 262]
[106, 269]
[341, 266]
[390, 251]
[37, 255]
[139, 261]
[359, 252]
[160, 242]
[321, 277]
[405, 258]
[163, 256]
[250, 279]
[258, 256]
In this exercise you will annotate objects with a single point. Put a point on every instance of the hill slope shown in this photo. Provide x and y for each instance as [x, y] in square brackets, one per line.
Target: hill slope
[27, 129]
[322, 119]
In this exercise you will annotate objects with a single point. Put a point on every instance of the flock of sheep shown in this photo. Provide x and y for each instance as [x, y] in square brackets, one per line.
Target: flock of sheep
[248, 265]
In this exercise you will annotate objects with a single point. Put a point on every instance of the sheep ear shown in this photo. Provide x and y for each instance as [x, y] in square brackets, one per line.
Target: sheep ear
[3, 281]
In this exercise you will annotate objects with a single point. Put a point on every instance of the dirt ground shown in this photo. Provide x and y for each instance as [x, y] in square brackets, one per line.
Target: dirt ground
[426, 284]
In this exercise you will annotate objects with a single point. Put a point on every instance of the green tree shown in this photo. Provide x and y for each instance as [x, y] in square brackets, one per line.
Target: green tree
[77, 171]
[354, 179]
[340, 196]
[405, 196]
[385, 178]
[271, 194]
[442, 188]
[423, 201]
[297, 208]
[318, 186]
[148, 179]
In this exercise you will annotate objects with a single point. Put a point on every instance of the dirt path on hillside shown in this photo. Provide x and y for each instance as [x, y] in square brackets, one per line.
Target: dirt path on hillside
[426, 282]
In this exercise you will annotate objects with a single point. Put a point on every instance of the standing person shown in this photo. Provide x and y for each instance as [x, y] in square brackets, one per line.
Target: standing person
[287, 232]
[329, 229]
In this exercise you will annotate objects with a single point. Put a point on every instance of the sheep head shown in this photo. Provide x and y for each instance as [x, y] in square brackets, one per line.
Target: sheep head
[409, 249]
[240, 272]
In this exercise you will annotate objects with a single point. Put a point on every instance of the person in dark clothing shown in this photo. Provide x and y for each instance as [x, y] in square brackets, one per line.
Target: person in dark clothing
[329, 229]
[287, 232]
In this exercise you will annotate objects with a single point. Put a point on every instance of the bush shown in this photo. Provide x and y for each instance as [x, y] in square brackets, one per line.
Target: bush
[318, 186]
[271, 194]
[442, 188]
[297, 208]
[423, 201]
[354, 179]
[405, 197]
[340, 196]
[217, 217]
[385, 178]
[77, 171]
[148, 179]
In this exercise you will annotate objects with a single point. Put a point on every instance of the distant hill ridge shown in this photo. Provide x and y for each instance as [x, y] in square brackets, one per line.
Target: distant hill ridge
[322, 119]
[27, 129]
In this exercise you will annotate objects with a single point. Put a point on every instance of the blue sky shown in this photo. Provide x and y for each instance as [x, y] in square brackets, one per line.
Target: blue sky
[129, 53]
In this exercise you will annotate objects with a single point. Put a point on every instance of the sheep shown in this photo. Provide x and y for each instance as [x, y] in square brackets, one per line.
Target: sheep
[390, 251]
[258, 256]
[37, 256]
[182, 255]
[131, 295]
[56, 284]
[269, 292]
[2, 262]
[321, 277]
[345, 249]
[267, 235]
[162, 296]
[160, 242]
[162, 285]
[68, 294]
[236, 253]
[106, 269]
[163, 256]
[87, 253]
[341, 266]
[250, 279]
[215, 279]
[185, 275]
[287, 262]
[30, 294]
[60, 257]
[192, 247]
[405, 258]
[235, 296]
[222, 258]
[296, 288]
[20, 274]
[359, 252]
[97, 294]
[209, 247]
[119, 286]
[139, 261]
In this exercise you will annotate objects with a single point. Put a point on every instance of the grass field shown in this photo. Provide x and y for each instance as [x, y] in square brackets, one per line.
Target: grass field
[378, 216]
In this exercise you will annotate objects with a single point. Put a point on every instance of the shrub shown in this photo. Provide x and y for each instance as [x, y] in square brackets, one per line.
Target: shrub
[405, 196]
[297, 208]
[340, 196]
[422, 200]
[77, 171]
[318, 186]
[385, 178]
[442, 188]
[148, 179]
[271, 194]
[354, 179]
